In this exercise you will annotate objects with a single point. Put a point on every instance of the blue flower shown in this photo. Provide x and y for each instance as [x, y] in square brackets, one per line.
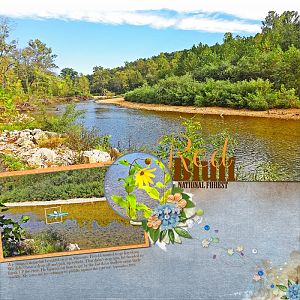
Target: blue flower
[293, 292]
[168, 214]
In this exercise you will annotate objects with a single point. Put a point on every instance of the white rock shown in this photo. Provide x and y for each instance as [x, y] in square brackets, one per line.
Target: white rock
[27, 144]
[95, 156]
[41, 157]
[35, 131]
[39, 136]
[72, 247]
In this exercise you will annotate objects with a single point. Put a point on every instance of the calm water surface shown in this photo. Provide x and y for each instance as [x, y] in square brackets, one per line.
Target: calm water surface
[259, 139]
[90, 224]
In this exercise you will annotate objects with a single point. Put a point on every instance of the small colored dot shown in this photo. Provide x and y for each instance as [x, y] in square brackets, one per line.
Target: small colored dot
[260, 273]
[254, 251]
[215, 256]
[272, 286]
[242, 253]
[206, 227]
[216, 230]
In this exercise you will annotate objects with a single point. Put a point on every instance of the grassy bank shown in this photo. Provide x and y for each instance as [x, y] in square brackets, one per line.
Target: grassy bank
[85, 183]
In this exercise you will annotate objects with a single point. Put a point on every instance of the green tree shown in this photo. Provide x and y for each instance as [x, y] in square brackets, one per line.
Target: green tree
[69, 72]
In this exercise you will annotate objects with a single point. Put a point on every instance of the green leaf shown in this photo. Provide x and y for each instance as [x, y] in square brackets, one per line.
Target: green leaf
[159, 185]
[132, 171]
[183, 233]
[160, 164]
[282, 287]
[132, 205]
[182, 214]
[189, 204]
[120, 201]
[129, 188]
[185, 196]
[154, 234]
[162, 235]
[167, 178]
[182, 219]
[129, 184]
[134, 168]
[171, 236]
[152, 192]
[145, 226]
[124, 162]
[145, 208]
[176, 190]
[165, 195]
[25, 219]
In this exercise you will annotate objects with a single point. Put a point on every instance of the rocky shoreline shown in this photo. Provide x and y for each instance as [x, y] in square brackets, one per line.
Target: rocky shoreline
[28, 146]
[287, 114]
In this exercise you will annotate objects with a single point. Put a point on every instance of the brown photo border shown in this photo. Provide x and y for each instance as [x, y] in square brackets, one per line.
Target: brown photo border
[146, 244]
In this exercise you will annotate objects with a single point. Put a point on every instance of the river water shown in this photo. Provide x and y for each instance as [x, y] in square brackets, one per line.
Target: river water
[259, 139]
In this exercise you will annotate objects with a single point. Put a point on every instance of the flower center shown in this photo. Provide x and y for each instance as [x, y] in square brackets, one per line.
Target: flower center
[142, 173]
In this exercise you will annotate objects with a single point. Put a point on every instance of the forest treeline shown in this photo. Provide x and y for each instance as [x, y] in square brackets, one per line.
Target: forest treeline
[257, 72]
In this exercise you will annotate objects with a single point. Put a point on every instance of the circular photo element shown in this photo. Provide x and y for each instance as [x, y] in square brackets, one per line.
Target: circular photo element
[135, 184]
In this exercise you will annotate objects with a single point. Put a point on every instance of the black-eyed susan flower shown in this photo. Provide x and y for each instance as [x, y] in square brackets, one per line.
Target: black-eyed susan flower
[143, 177]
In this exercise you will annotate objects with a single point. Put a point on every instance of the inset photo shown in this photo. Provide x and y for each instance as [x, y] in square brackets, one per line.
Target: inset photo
[135, 184]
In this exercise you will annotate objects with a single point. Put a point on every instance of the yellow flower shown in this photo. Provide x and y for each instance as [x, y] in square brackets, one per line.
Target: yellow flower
[154, 222]
[177, 199]
[143, 177]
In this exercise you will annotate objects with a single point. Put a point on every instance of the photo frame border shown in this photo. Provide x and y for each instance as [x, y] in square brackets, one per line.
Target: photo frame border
[3, 259]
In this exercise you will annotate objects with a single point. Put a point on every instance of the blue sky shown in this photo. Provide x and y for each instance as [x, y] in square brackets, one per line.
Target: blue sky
[82, 45]
[94, 32]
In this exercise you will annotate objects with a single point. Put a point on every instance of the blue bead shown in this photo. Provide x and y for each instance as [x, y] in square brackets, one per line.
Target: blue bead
[260, 273]
[272, 286]
[206, 227]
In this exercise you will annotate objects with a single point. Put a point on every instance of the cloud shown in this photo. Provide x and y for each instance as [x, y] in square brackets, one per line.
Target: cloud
[237, 15]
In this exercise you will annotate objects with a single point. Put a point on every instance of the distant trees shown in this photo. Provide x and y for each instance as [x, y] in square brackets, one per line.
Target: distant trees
[272, 55]
[27, 74]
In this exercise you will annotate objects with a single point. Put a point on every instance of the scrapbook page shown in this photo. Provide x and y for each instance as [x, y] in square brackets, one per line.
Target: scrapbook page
[149, 150]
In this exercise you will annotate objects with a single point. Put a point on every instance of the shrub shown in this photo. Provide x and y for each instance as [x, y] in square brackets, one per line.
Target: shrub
[81, 139]
[13, 163]
[63, 123]
[254, 94]
[11, 235]
[48, 241]
[51, 142]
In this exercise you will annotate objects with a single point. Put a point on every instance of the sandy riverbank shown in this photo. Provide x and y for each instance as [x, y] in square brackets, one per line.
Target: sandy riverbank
[290, 113]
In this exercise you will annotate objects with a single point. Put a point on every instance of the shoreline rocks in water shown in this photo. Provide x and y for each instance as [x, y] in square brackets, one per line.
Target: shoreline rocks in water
[29, 146]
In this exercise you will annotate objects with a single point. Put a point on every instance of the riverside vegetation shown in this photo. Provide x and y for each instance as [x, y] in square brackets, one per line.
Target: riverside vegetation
[257, 72]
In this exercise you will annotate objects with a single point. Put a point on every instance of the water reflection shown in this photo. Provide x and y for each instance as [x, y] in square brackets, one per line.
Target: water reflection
[259, 139]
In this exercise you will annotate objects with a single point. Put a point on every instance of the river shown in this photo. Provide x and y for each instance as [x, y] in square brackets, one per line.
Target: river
[259, 139]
